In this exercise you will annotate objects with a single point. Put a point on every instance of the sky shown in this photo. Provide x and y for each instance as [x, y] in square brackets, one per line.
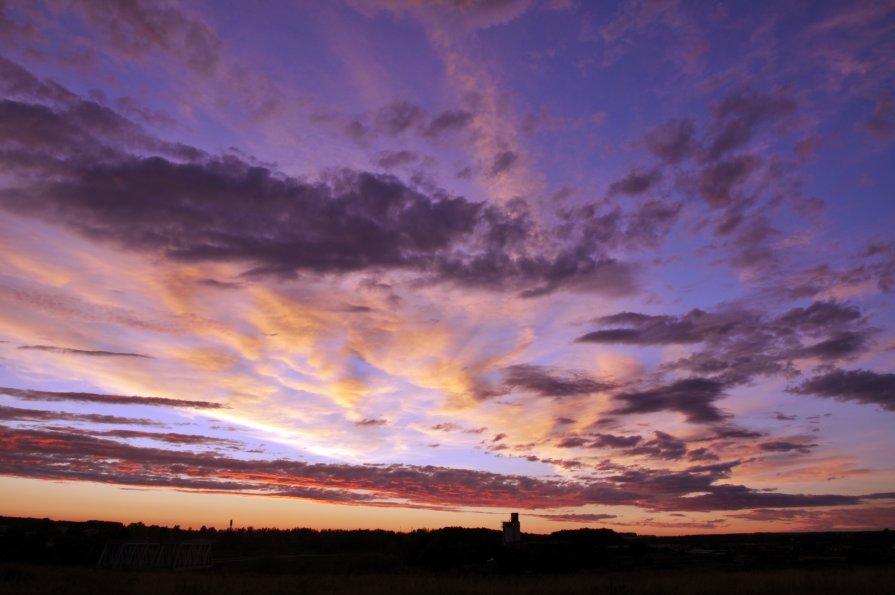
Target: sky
[401, 264]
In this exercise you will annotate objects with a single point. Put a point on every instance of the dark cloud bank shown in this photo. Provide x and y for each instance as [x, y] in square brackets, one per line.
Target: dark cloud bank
[62, 454]
[862, 386]
[80, 164]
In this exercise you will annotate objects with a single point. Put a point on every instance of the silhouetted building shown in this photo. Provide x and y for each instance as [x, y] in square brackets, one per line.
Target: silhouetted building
[512, 532]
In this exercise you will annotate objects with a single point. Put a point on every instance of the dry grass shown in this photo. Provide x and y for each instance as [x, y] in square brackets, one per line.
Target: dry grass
[37, 580]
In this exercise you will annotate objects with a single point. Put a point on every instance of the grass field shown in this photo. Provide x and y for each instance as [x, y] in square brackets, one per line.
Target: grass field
[40, 580]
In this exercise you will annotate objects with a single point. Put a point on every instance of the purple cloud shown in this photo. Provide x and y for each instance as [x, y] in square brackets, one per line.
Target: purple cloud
[692, 397]
[86, 352]
[862, 386]
[45, 395]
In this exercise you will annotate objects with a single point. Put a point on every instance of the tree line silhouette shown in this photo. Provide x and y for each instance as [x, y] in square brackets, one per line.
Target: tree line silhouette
[451, 549]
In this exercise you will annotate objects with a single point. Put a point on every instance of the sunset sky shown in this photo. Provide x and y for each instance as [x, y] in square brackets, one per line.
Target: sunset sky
[400, 264]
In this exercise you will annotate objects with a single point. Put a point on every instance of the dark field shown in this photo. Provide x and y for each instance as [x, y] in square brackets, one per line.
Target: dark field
[42, 556]
[29, 579]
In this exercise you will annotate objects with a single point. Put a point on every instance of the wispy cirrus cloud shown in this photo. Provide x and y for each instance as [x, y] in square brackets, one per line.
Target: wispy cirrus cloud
[45, 395]
[866, 518]
[42, 415]
[579, 517]
[167, 437]
[85, 352]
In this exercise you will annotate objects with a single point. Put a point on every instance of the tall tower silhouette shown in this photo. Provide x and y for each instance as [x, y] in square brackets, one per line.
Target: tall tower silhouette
[512, 532]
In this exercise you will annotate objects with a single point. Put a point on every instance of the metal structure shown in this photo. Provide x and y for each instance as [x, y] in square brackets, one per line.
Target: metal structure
[145, 554]
[512, 532]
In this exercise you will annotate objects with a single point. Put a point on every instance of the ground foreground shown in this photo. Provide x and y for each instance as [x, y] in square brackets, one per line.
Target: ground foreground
[39, 580]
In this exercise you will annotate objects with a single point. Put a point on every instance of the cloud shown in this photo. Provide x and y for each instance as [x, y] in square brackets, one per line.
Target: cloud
[17, 82]
[613, 441]
[837, 347]
[58, 302]
[692, 397]
[448, 121]
[11, 31]
[369, 422]
[711, 524]
[398, 117]
[466, 15]
[739, 343]
[23, 451]
[17, 414]
[170, 438]
[882, 122]
[503, 162]
[547, 382]
[640, 329]
[634, 17]
[737, 116]
[737, 497]
[134, 29]
[577, 517]
[362, 220]
[45, 395]
[60, 455]
[670, 484]
[862, 518]
[294, 227]
[86, 352]
[733, 171]
[673, 141]
[730, 431]
[650, 221]
[132, 108]
[446, 427]
[216, 284]
[702, 454]
[718, 181]
[877, 271]
[573, 268]
[56, 138]
[572, 442]
[169, 199]
[820, 316]
[663, 446]
[863, 386]
[803, 447]
[393, 159]
[635, 182]
[854, 44]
